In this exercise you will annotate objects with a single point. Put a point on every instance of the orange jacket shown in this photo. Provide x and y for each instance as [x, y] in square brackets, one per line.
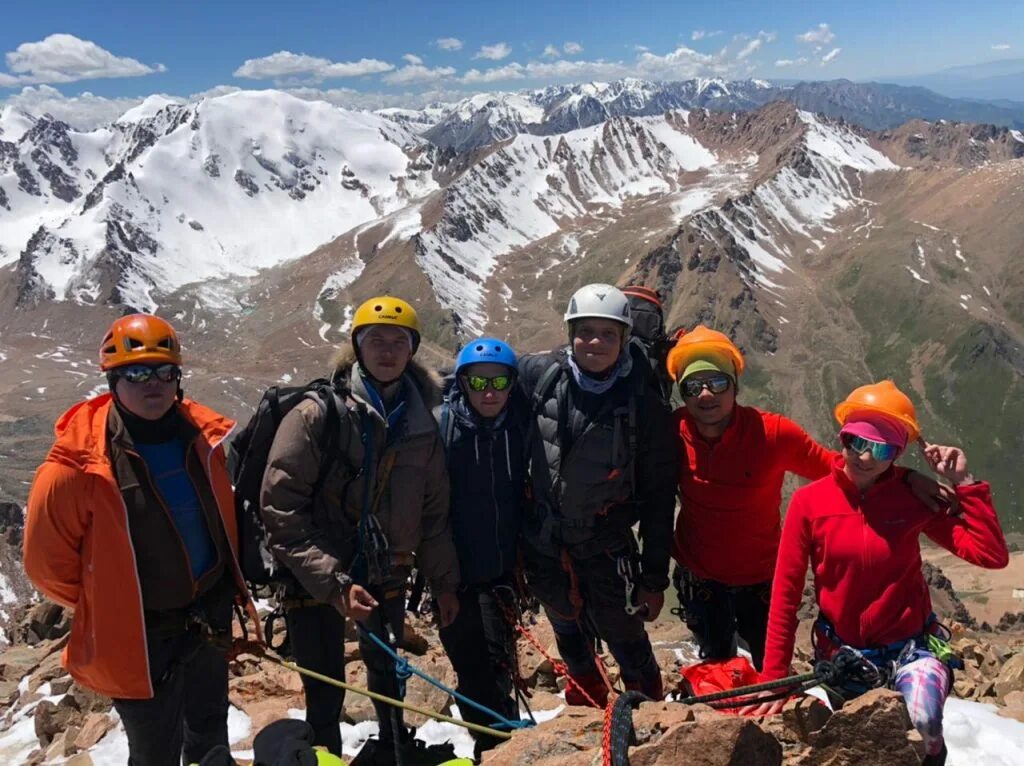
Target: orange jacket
[78, 549]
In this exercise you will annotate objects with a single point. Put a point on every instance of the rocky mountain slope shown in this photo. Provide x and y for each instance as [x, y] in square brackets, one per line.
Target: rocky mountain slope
[833, 254]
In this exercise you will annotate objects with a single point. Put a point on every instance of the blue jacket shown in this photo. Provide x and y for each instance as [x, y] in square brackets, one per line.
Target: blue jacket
[488, 484]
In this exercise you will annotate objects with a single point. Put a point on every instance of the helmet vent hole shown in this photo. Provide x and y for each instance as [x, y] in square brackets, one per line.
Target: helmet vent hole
[134, 343]
[398, 309]
[378, 307]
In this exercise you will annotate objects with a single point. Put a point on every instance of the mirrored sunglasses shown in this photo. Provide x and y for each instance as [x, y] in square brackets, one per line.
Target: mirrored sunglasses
[716, 384]
[141, 373]
[480, 383]
[879, 450]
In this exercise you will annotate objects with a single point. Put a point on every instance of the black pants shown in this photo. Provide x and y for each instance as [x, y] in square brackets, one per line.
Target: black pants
[188, 714]
[604, 614]
[715, 613]
[317, 636]
[479, 644]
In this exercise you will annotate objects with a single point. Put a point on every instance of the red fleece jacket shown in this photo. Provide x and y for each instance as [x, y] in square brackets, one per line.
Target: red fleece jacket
[866, 558]
[729, 523]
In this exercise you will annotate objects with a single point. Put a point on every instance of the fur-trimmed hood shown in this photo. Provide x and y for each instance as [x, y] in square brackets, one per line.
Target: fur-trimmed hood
[426, 381]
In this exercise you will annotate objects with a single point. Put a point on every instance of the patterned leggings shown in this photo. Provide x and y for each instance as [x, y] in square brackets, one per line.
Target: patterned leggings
[924, 684]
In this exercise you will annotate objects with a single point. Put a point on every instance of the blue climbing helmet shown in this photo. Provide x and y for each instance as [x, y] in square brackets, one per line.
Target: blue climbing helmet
[482, 350]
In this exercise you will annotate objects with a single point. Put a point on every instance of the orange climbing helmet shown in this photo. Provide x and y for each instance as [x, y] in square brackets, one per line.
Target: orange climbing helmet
[139, 339]
[704, 345]
[884, 399]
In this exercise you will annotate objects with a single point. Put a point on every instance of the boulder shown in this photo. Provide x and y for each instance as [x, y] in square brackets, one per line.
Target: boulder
[573, 737]
[711, 740]
[1011, 676]
[94, 727]
[52, 719]
[1014, 706]
[872, 730]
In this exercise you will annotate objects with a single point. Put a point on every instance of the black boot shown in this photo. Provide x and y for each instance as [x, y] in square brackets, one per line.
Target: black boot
[939, 759]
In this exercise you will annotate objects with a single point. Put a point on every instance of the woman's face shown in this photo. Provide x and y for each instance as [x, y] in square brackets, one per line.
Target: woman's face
[862, 468]
[597, 343]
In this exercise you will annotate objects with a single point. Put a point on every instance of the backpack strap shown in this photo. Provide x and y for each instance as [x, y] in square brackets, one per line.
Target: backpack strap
[540, 395]
[331, 405]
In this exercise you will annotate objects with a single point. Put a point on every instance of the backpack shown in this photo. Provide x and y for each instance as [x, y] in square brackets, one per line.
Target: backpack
[248, 463]
[649, 332]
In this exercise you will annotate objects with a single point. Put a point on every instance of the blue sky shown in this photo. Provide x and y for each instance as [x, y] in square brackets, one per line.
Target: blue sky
[386, 53]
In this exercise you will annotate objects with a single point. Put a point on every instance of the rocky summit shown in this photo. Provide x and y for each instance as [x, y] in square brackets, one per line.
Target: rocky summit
[47, 718]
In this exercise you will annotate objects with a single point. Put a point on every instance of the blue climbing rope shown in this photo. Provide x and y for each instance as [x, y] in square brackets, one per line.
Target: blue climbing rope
[404, 670]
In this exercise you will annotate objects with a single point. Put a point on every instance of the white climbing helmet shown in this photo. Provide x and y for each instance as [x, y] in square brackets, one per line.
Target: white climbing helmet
[600, 301]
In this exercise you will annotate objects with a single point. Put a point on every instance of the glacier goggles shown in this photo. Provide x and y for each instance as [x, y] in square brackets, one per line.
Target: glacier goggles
[141, 373]
[480, 383]
[880, 451]
[716, 384]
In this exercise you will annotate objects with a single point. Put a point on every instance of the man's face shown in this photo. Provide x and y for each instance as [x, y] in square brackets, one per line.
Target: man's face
[707, 407]
[385, 352]
[597, 343]
[490, 402]
[151, 399]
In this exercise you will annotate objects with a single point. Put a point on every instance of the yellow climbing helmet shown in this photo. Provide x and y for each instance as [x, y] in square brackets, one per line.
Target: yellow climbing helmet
[387, 310]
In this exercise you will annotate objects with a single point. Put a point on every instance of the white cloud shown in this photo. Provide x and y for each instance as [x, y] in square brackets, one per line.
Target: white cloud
[572, 49]
[828, 57]
[449, 43]
[418, 73]
[371, 100]
[412, 58]
[756, 44]
[66, 58]
[495, 52]
[84, 111]
[822, 35]
[285, 64]
[700, 34]
[640, 48]
[791, 62]
[511, 71]
[750, 48]
[1001, 47]
[550, 52]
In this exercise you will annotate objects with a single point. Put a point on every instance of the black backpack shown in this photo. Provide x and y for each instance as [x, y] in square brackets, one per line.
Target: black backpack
[248, 462]
[649, 331]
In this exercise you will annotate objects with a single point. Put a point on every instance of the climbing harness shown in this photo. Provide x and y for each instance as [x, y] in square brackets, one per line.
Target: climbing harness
[627, 573]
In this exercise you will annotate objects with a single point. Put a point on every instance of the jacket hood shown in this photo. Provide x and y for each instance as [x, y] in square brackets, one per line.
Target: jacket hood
[82, 430]
[427, 382]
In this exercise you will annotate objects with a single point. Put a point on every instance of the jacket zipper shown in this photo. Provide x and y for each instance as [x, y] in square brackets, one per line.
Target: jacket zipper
[494, 500]
[170, 518]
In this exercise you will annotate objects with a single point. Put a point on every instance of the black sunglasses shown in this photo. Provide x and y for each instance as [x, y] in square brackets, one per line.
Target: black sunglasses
[716, 384]
[141, 373]
[479, 382]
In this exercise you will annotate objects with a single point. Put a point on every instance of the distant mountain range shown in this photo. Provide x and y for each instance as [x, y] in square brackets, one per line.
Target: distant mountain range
[257, 221]
[485, 118]
[1000, 82]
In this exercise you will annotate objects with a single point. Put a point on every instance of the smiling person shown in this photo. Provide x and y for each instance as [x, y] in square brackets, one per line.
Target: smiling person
[735, 459]
[352, 536]
[602, 457]
[482, 422]
[860, 528]
[131, 525]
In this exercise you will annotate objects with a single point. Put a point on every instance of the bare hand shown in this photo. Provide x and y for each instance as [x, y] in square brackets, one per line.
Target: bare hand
[355, 602]
[653, 600]
[948, 462]
[447, 608]
[764, 708]
[938, 497]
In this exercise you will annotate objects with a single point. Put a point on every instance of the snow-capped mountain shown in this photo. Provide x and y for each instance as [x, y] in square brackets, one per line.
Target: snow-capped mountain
[485, 118]
[262, 220]
[172, 194]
